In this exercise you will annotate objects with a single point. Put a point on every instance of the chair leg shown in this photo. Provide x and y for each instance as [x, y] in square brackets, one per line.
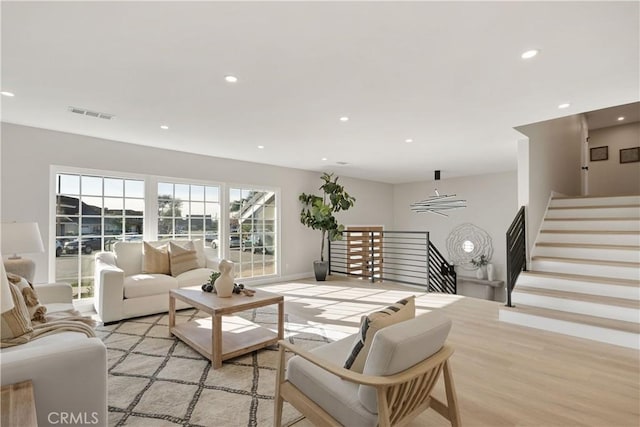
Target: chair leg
[452, 399]
[277, 399]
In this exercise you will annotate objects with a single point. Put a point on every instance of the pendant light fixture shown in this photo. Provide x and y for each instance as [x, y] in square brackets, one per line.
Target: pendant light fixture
[439, 204]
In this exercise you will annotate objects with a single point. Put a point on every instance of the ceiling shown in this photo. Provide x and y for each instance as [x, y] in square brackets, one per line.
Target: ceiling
[447, 75]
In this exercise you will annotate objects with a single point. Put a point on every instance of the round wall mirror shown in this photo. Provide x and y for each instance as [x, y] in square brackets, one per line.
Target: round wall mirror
[467, 242]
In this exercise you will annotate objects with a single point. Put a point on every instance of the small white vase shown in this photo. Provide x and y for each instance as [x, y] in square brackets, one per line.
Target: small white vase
[491, 272]
[224, 283]
[480, 273]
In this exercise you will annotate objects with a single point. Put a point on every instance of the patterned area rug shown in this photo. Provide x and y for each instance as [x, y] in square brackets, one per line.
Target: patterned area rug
[157, 380]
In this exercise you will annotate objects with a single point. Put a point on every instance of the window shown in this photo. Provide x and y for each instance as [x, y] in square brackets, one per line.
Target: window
[92, 213]
[189, 211]
[252, 231]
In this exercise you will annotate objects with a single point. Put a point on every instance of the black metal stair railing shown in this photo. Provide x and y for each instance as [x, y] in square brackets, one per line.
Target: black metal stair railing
[407, 257]
[516, 251]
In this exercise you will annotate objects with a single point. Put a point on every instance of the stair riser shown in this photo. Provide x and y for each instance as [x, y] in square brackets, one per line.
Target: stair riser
[596, 201]
[590, 288]
[603, 212]
[588, 253]
[594, 333]
[586, 269]
[602, 239]
[575, 306]
[596, 225]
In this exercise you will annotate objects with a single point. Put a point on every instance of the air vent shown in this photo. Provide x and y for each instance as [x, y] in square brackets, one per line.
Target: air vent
[90, 113]
[342, 163]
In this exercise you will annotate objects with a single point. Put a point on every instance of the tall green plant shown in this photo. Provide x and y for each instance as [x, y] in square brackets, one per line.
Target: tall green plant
[317, 211]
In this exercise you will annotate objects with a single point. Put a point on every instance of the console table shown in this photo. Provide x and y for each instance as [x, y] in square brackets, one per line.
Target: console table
[478, 288]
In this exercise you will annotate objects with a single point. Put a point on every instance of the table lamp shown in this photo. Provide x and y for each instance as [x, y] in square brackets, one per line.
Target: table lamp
[21, 238]
[6, 300]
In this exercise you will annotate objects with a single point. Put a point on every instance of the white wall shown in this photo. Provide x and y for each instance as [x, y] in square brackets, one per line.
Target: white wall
[610, 177]
[554, 166]
[27, 154]
[492, 203]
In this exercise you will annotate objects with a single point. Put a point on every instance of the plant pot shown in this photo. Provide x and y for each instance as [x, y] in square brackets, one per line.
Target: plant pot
[491, 272]
[321, 269]
[480, 273]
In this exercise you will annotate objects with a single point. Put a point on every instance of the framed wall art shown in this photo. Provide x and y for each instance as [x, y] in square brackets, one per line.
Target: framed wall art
[599, 153]
[630, 155]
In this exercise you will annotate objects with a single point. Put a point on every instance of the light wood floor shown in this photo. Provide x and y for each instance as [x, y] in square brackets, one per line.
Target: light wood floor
[505, 375]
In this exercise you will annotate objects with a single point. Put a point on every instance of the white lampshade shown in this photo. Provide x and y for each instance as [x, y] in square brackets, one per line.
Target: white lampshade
[6, 301]
[21, 238]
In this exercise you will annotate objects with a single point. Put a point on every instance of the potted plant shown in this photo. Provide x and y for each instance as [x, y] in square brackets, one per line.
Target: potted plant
[317, 213]
[480, 263]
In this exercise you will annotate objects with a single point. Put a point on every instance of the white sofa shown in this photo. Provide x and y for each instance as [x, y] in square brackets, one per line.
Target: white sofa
[68, 370]
[123, 291]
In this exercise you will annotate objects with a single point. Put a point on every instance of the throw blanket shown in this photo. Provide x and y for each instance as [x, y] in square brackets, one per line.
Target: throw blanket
[57, 322]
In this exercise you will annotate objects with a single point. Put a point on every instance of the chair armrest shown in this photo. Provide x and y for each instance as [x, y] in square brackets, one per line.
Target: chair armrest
[375, 381]
[109, 288]
[50, 293]
[67, 375]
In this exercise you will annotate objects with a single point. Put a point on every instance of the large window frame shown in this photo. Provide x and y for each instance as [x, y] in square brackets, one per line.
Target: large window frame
[152, 217]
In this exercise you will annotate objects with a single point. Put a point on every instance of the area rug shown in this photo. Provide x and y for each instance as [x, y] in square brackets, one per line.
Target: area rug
[156, 380]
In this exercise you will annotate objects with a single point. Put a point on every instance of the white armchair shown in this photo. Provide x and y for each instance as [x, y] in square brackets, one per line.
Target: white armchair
[402, 367]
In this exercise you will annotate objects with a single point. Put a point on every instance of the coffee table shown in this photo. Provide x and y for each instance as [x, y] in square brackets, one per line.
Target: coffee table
[218, 340]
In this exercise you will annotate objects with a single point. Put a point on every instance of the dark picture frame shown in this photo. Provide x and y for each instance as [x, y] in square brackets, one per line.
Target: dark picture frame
[630, 155]
[599, 153]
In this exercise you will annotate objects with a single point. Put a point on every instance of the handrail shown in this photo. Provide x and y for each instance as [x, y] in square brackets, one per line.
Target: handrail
[400, 256]
[442, 275]
[516, 251]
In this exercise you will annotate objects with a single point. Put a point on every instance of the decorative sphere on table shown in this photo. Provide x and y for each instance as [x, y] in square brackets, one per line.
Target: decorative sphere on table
[224, 283]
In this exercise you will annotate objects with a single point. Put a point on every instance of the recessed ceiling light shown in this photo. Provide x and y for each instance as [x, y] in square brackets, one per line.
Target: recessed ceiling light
[323, 159]
[165, 127]
[261, 146]
[5, 93]
[530, 54]
[344, 119]
[408, 140]
[621, 118]
[231, 79]
[565, 105]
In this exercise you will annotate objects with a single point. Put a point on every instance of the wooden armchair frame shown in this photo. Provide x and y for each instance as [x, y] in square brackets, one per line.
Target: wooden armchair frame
[401, 397]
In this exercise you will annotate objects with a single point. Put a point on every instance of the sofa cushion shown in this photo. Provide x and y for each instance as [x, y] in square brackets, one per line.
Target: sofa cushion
[143, 285]
[129, 257]
[15, 322]
[155, 259]
[198, 245]
[404, 309]
[197, 276]
[400, 346]
[36, 310]
[183, 257]
[336, 396]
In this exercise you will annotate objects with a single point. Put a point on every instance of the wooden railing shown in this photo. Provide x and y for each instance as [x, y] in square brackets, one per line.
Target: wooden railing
[516, 251]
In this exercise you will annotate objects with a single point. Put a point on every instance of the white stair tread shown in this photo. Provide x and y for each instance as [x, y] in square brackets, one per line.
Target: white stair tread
[576, 318]
[596, 206]
[583, 278]
[629, 264]
[596, 299]
[591, 231]
[589, 246]
[610, 218]
[594, 197]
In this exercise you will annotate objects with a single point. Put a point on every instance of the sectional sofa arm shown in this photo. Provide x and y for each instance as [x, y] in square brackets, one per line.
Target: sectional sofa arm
[109, 288]
[51, 293]
[211, 259]
[69, 377]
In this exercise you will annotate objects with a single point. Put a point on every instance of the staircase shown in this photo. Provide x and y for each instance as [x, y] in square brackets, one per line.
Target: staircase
[584, 279]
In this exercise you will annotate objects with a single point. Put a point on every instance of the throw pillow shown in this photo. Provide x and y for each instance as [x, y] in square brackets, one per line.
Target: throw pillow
[35, 309]
[155, 260]
[183, 258]
[15, 322]
[402, 310]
